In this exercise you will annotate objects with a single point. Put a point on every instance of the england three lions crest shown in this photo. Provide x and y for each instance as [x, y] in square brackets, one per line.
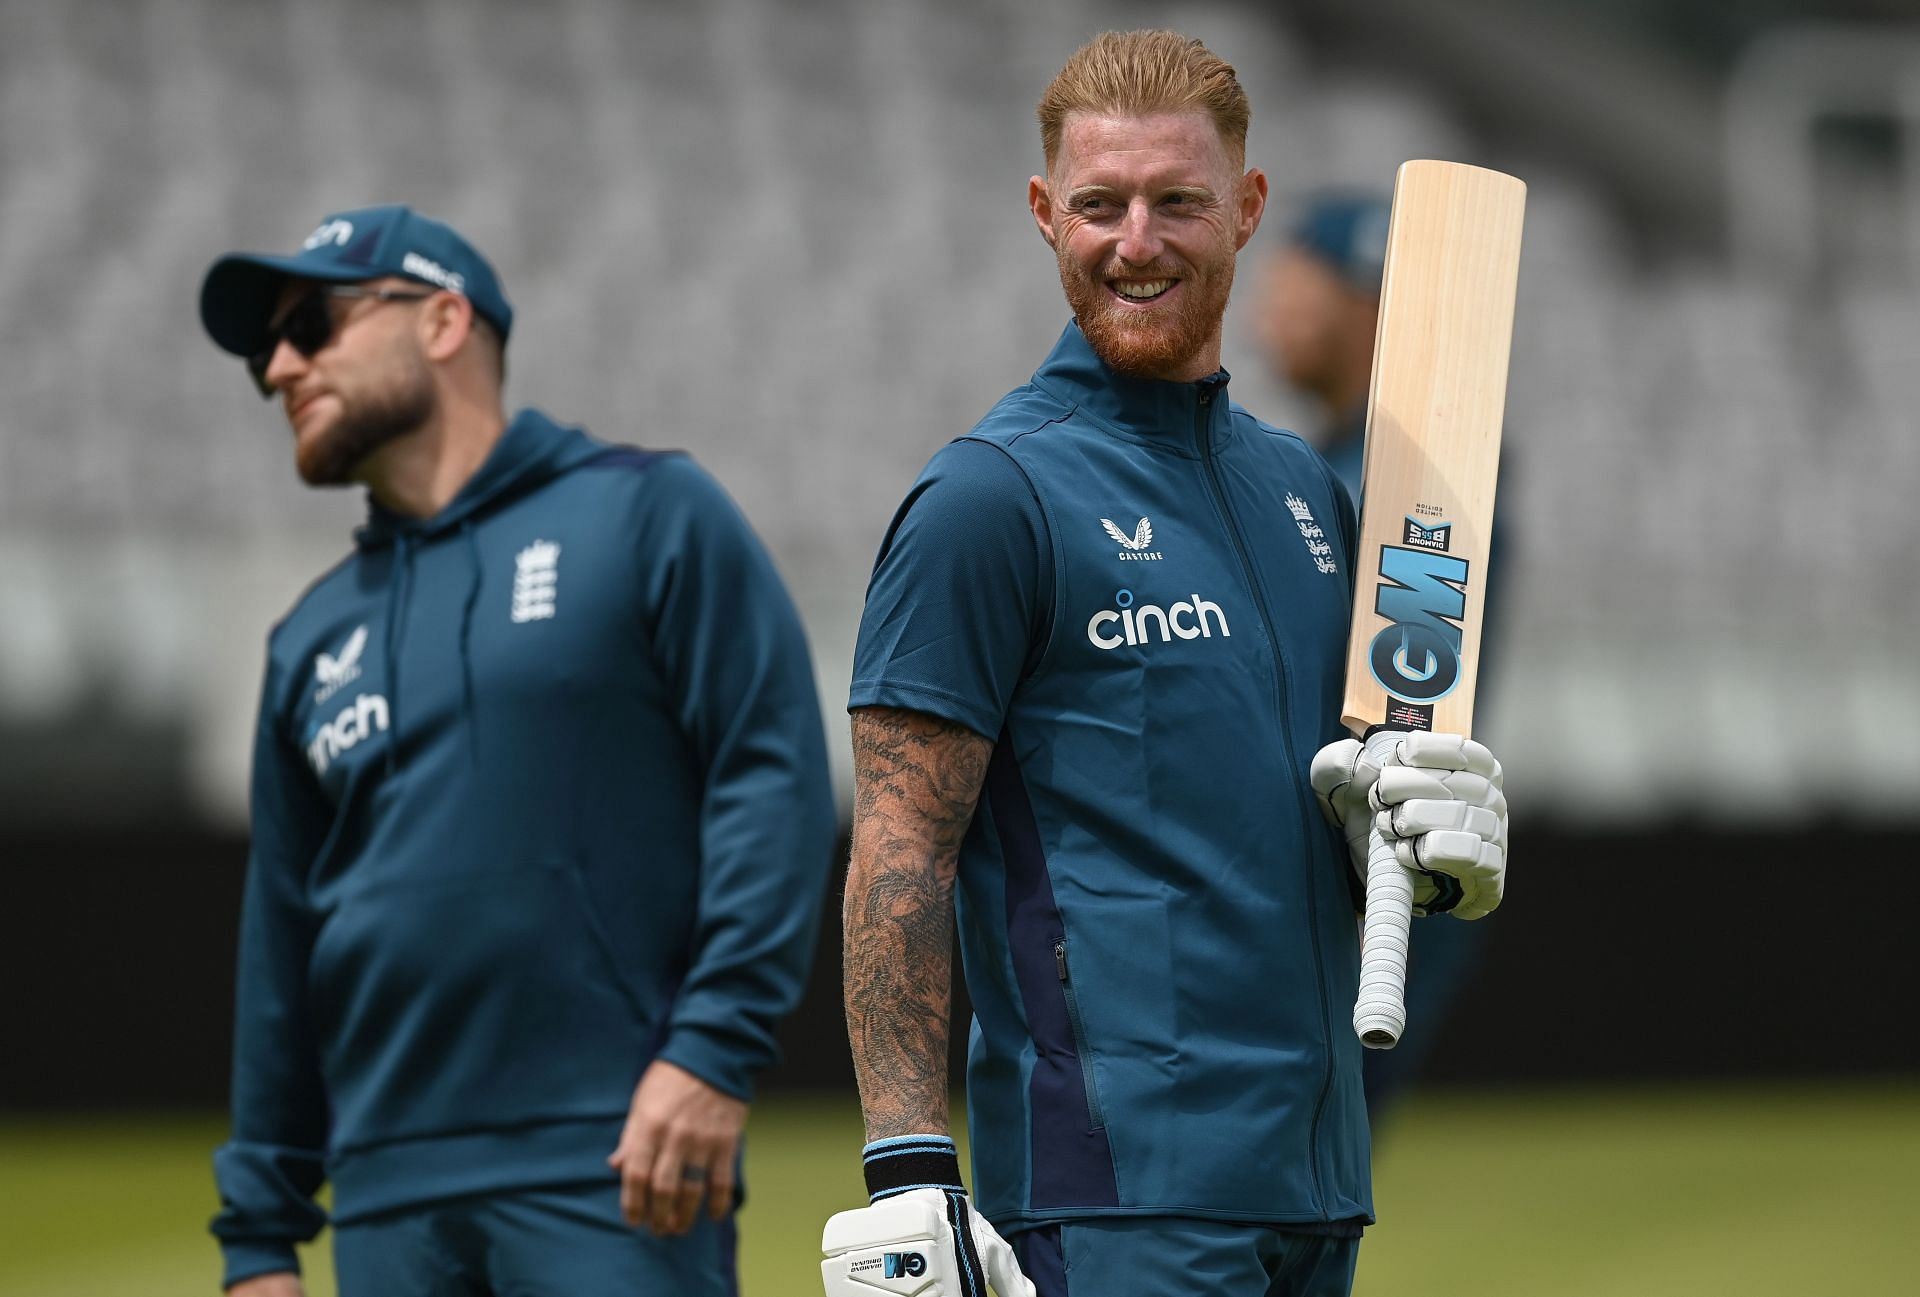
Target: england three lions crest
[536, 582]
[1319, 548]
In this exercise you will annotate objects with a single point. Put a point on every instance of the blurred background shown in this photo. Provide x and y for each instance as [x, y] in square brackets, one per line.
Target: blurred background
[792, 239]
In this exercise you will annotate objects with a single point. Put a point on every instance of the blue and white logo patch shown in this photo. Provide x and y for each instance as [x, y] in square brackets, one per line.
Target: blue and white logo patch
[1134, 547]
[1317, 544]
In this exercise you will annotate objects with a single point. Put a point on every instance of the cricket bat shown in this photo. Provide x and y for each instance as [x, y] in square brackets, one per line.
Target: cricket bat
[1434, 411]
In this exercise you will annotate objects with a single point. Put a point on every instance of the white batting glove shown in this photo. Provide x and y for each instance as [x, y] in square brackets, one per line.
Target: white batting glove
[1439, 797]
[1343, 777]
[920, 1237]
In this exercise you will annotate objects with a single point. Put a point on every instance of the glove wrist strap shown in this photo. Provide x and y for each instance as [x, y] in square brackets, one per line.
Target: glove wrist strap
[909, 1162]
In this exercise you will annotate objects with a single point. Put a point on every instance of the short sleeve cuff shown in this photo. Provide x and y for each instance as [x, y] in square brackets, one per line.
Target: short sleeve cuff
[919, 698]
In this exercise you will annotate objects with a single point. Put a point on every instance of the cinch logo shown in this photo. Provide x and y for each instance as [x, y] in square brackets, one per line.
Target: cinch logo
[433, 272]
[1136, 624]
[334, 232]
[1424, 595]
[361, 719]
[905, 1265]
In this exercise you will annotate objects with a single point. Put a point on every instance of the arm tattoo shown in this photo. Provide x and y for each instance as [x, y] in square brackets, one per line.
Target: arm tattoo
[916, 780]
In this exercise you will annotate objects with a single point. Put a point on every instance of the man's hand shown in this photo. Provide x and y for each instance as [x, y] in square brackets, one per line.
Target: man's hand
[920, 1235]
[929, 1242]
[681, 1140]
[281, 1283]
[1343, 779]
[1440, 797]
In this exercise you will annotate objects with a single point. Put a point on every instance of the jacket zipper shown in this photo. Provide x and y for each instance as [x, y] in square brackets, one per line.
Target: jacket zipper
[1204, 436]
[1095, 1117]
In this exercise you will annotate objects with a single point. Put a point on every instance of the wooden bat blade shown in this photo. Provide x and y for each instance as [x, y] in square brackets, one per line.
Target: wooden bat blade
[1433, 447]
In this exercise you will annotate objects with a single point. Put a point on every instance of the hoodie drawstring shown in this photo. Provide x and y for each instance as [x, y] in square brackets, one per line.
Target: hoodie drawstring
[398, 592]
[472, 725]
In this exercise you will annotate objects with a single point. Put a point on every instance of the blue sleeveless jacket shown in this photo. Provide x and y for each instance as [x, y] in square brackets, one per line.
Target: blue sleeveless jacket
[1142, 594]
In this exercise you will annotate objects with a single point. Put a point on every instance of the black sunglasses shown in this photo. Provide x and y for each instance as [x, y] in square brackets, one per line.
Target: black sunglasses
[308, 325]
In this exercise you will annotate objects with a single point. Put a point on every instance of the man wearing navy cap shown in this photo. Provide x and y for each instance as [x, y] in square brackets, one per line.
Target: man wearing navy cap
[540, 818]
[1318, 315]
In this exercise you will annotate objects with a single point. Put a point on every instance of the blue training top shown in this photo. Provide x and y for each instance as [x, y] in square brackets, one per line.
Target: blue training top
[1142, 594]
[540, 795]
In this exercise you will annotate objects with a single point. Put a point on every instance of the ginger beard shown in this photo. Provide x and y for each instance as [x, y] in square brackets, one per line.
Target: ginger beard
[331, 455]
[1162, 338]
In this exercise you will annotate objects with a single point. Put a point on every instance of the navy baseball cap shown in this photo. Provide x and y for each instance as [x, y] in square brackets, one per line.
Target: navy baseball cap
[237, 299]
[1349, 233]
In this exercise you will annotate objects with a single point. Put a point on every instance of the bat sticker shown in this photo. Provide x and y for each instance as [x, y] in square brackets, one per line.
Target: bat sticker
[1423, 595]
[1437, 537]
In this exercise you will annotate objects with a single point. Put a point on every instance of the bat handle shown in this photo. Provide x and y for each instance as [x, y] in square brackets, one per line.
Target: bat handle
[1380, 1011]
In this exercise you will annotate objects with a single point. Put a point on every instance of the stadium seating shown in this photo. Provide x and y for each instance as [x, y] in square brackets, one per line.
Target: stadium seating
[792, 239]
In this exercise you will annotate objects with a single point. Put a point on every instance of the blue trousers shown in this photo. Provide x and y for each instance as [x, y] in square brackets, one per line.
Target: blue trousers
[1152, 1256]
[565, 1242]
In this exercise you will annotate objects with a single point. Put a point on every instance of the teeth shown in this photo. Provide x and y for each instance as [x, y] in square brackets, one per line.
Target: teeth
[1151, 288]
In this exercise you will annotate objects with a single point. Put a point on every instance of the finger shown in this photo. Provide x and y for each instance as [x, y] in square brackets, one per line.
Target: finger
[664, 1188]
[1334, 767]
[1484, 896]
[628, 1155]
[1397, 784]
[629, 1196]
[694, 1178]
[1449, 851]
[1466, 786]
[1479, 866]
[720, 1191]
[634, 1196]
[1411, 819]
[1477, 789]
[1445, 752]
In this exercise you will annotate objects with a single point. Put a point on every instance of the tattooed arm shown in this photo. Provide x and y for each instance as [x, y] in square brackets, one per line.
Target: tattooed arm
[916, 779]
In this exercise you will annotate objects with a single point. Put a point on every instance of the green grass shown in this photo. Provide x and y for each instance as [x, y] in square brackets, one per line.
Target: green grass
[1787, 1191]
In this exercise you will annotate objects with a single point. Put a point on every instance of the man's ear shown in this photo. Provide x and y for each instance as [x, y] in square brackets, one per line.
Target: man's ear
[1040, 203]
[1253, 202]
[446, 320]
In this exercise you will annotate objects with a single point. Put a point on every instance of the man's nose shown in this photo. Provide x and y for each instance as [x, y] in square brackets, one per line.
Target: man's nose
[1140, 241]
[286, 363]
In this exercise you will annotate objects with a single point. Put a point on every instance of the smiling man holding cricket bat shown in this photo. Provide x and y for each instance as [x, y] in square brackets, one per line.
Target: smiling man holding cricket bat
[1097, 708]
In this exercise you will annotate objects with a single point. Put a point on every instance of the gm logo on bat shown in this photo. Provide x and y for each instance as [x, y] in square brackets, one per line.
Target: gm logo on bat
[1423, 594]
[905, 1265]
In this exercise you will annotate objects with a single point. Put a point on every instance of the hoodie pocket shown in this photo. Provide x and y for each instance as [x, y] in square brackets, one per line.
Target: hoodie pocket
[486, 998]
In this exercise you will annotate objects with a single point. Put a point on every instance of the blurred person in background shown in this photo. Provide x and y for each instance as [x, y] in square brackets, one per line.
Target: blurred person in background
[540, 816]
[1095, 698]
[1317, 313]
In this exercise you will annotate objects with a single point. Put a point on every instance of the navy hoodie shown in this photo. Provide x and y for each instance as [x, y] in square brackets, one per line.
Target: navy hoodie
[540, 795]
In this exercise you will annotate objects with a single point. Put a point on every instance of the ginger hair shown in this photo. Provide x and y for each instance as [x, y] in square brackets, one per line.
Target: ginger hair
[1138, 73]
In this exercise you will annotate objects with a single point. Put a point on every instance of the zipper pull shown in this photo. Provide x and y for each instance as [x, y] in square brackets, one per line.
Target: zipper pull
[1060, 958]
